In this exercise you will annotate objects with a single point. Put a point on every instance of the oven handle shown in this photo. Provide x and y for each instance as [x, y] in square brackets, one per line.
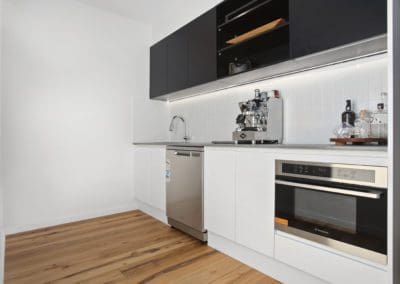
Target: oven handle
[371, 194]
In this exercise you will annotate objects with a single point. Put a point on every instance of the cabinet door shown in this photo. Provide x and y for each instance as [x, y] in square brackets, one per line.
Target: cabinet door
[219, 192]
[158, 69]
[326, 265]
[177, 60]
[255, 204]
[317, 25]
[141, 175]
[157, 160]
[202, 49]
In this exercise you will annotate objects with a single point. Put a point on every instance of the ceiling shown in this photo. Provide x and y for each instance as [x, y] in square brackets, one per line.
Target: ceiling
[140, 10]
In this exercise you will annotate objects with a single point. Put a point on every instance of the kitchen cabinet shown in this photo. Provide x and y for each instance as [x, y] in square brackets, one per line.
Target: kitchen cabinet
[158, 69]
[141, 175]
[185, 58]
[239, 197]
[317, 25]
[239, 215]
[326, 265]
[177, 60]
[157, 163]
[149, 176]
[219, 193]
[255, 190]
[201, 52]
[202, 55]
[265, 48]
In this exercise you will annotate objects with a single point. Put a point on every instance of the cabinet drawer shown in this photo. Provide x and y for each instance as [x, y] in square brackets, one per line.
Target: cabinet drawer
[326, 265]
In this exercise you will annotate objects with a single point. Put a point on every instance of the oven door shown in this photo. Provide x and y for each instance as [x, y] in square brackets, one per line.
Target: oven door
[349, 218]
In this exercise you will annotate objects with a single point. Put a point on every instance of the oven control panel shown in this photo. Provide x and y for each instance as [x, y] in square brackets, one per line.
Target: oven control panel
[307, 170]
[334, 172]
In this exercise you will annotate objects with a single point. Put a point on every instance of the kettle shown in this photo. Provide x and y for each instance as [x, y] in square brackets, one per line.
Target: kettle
[239, 67]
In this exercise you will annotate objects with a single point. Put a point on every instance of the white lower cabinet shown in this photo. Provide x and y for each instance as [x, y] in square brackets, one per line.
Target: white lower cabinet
[240, 207]
[326, 265]
[141, 172]
[219, 192]
[157, 162]
[239, 197]
[255, 190]
[149, 176]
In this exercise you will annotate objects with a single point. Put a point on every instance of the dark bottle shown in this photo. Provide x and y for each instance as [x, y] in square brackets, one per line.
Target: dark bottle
[349, 116]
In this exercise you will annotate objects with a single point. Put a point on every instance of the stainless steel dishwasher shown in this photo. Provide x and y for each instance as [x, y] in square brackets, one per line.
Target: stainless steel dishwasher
[185, 190]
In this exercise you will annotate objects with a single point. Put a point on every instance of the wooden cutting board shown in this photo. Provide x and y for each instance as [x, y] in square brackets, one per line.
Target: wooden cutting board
[257, 31]
[359, 141]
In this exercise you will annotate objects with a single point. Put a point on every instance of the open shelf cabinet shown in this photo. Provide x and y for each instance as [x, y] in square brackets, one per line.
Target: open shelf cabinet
[238, 17]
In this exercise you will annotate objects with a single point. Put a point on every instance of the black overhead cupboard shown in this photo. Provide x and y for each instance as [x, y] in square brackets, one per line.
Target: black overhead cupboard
[243, 35]
[185, 58]
[318, 25]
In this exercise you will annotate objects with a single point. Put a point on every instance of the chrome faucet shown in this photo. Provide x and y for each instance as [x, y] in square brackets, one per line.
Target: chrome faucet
[172, 126]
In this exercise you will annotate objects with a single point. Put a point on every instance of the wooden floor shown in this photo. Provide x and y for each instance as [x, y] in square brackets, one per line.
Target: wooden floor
[124, 248]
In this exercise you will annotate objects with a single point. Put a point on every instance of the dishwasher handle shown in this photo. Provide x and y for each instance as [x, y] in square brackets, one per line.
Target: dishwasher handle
[187, 154]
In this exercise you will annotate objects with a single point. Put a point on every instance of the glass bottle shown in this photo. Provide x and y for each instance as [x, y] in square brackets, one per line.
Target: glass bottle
[349, 116]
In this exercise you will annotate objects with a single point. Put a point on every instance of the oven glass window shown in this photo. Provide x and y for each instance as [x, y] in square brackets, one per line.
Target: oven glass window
[326, 210]
[350, 219]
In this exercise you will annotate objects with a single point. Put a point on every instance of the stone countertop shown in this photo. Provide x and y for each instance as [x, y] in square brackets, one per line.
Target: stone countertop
[380, 149]
[172, 143]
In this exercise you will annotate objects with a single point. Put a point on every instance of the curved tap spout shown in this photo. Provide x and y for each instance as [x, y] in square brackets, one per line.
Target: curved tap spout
[172, 126]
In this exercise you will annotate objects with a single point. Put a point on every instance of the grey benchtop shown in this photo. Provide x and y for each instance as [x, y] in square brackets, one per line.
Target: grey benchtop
[268, 146]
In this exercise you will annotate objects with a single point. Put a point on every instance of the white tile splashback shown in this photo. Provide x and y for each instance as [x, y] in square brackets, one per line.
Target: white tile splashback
[313, 102]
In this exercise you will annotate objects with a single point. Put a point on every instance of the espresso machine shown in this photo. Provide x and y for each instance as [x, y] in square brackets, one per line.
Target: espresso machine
[260, 120]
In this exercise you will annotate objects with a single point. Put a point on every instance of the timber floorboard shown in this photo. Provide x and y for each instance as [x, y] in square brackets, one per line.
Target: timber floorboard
[130, 247]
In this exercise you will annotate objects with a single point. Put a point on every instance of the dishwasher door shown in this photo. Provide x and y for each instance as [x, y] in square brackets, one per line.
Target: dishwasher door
[185, 187]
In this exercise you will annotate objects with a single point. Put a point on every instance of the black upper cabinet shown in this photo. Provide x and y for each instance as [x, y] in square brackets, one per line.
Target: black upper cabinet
[185, 58]
[317, 25]
[177, 60]
[242, 35]
[202, 45]
[158, 69]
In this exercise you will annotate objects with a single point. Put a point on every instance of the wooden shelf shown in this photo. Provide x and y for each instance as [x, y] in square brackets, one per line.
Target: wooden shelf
[359, 141]
[257, 31]
[222, 50]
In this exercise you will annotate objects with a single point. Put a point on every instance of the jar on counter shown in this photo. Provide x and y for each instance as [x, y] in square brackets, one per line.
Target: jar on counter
[362, 125]
[379, 124]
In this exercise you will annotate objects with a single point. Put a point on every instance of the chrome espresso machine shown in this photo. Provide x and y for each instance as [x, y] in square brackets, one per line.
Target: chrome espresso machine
[260, 120]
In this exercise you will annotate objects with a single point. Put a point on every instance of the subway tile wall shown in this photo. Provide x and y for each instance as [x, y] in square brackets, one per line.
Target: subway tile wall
[313, 102]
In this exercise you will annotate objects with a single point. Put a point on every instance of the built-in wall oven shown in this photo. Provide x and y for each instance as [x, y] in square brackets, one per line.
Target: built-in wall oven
[341, 206]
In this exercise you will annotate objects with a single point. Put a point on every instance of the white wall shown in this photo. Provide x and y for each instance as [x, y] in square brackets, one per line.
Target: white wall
[150, 118]
[73, 83]
[313, 102]
[178, 13]
[2, 233]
